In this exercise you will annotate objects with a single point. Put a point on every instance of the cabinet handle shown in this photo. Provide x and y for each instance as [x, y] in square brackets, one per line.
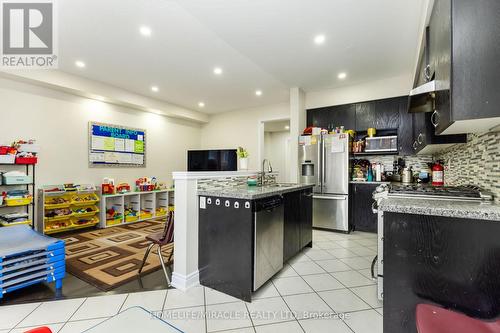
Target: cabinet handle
[435, 118]
[415, 145]
[427, 73]
[420, 138]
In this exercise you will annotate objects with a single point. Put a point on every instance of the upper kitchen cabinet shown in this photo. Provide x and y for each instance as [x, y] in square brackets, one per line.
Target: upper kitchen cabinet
[380, 114]
[332, 116]
[464, 57]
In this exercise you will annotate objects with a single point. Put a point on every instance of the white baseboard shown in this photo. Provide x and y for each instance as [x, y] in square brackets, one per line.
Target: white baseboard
[185, 282]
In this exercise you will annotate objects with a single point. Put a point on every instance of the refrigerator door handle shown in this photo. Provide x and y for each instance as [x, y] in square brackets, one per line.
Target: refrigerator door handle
[330, 197]
[322, 164]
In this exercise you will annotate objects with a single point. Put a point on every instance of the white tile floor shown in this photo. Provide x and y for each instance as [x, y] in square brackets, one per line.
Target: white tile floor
[324, 289]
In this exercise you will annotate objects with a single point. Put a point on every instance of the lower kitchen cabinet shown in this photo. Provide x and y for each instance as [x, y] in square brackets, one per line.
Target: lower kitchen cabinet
[298, 222]
[446, 261]
[362, 216]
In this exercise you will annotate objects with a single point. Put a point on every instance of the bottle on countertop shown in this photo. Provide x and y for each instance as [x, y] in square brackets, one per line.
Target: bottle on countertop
[369, 174]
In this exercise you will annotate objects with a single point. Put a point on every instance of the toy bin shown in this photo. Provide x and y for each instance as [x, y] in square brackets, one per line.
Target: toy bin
[17, 180]
[26, 160]
[7, 159]
[84, 199]
[53, 226]
[131, 218]
[85, 211]
[29, 148]
[11, 224]
[57, 202]
[114, 221]
[84, 222]
[17, 201]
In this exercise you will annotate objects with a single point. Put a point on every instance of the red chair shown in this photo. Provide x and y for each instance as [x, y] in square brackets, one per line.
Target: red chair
[40, 330]
[434, 319]
[160, 239]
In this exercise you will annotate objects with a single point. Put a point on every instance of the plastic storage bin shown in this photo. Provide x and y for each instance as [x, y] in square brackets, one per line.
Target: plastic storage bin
[84, 199]
[17, 201]
[26, 160]
[7, 159]
[17, 180]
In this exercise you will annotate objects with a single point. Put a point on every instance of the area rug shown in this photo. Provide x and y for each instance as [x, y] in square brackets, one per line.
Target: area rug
[108, 258]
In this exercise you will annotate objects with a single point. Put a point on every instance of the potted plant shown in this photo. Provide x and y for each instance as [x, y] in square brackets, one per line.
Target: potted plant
[243, 157]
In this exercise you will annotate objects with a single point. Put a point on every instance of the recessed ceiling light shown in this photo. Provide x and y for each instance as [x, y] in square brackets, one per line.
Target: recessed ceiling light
[201, 104]
[80, 64]
[145, 31]
[258, 92]
[342, 75]
[319, 39]
[155, 89]
[217, 71]
[287, 127]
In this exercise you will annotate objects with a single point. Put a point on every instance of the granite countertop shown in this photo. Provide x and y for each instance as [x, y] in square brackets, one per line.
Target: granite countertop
[482, 210]
[251, 192]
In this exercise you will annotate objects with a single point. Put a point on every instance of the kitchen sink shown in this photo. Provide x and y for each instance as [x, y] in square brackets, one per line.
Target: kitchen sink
[281, 185]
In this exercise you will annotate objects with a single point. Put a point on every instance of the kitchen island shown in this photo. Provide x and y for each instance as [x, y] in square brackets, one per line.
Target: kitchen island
[246, 234]
[440, 252]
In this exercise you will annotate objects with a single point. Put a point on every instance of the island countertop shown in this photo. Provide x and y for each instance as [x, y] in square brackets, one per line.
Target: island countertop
[252, 192]
[481, 210]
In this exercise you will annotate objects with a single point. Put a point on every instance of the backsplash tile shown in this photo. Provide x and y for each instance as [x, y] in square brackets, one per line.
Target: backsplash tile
[476, 162]
[218, 183]
[416, 162]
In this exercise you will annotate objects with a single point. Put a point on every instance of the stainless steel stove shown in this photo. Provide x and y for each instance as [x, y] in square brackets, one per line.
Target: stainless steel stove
[438, 192]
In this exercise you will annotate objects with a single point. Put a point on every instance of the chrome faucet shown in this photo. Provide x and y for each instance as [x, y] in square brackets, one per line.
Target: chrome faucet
[262, 178]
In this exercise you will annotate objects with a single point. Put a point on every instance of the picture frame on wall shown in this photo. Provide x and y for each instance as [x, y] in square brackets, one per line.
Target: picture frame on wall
[116, 146]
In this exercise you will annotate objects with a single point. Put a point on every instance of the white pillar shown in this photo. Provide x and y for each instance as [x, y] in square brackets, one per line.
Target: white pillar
[185, 274]
[297, 125]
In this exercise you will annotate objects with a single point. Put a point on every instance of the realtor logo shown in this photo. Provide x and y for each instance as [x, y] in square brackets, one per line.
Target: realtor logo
[28, 34]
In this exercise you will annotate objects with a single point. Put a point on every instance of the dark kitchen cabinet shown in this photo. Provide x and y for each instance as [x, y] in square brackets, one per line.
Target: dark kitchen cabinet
[380, 114]
[291, 235]
[332, 116]
[432, 260]
[362, 216]
[365, 116]
[405, 129]
[306, 213]
[464, 51]
[298, 222]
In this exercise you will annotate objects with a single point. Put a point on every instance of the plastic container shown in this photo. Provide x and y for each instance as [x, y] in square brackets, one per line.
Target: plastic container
[84, 199]
[26, 160]
[94, 211]
[131, 218]
[29, 148]
[17, 201]
[17, 180]
[7, 159]
[50, 205]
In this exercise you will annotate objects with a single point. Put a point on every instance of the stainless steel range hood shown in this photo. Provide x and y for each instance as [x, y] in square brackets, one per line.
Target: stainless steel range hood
[421, 98]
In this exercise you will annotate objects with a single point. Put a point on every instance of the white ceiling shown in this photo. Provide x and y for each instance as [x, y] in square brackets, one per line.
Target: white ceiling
[259, 44]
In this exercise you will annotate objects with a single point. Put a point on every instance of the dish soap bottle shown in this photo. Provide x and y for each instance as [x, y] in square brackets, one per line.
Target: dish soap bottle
[369, 174]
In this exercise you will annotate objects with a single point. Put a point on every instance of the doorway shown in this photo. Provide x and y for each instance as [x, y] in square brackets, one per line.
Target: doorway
[276, 147]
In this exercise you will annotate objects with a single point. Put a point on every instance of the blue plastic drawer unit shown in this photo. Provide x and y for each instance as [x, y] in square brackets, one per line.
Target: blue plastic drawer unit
[26, 258]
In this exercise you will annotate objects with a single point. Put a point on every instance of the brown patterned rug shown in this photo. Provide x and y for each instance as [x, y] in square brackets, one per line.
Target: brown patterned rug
[107, 258]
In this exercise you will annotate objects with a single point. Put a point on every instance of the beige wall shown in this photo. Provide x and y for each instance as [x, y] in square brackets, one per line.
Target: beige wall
[59, 123]
[385, 88]
[240, 128]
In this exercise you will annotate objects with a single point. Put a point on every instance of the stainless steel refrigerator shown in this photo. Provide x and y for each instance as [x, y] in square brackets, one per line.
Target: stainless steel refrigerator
[324, 161]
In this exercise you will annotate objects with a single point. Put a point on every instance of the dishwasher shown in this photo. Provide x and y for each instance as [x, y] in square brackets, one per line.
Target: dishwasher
[268, 239]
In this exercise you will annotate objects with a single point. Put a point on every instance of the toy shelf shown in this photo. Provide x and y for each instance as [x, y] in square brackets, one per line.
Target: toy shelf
[133, 207]
[29, 186]
[80, 201]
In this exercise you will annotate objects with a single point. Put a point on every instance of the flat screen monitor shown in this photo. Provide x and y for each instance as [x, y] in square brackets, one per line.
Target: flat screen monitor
[212, 160]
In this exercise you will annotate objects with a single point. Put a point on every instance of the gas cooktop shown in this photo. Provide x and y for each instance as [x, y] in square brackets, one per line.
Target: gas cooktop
[438, 192]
